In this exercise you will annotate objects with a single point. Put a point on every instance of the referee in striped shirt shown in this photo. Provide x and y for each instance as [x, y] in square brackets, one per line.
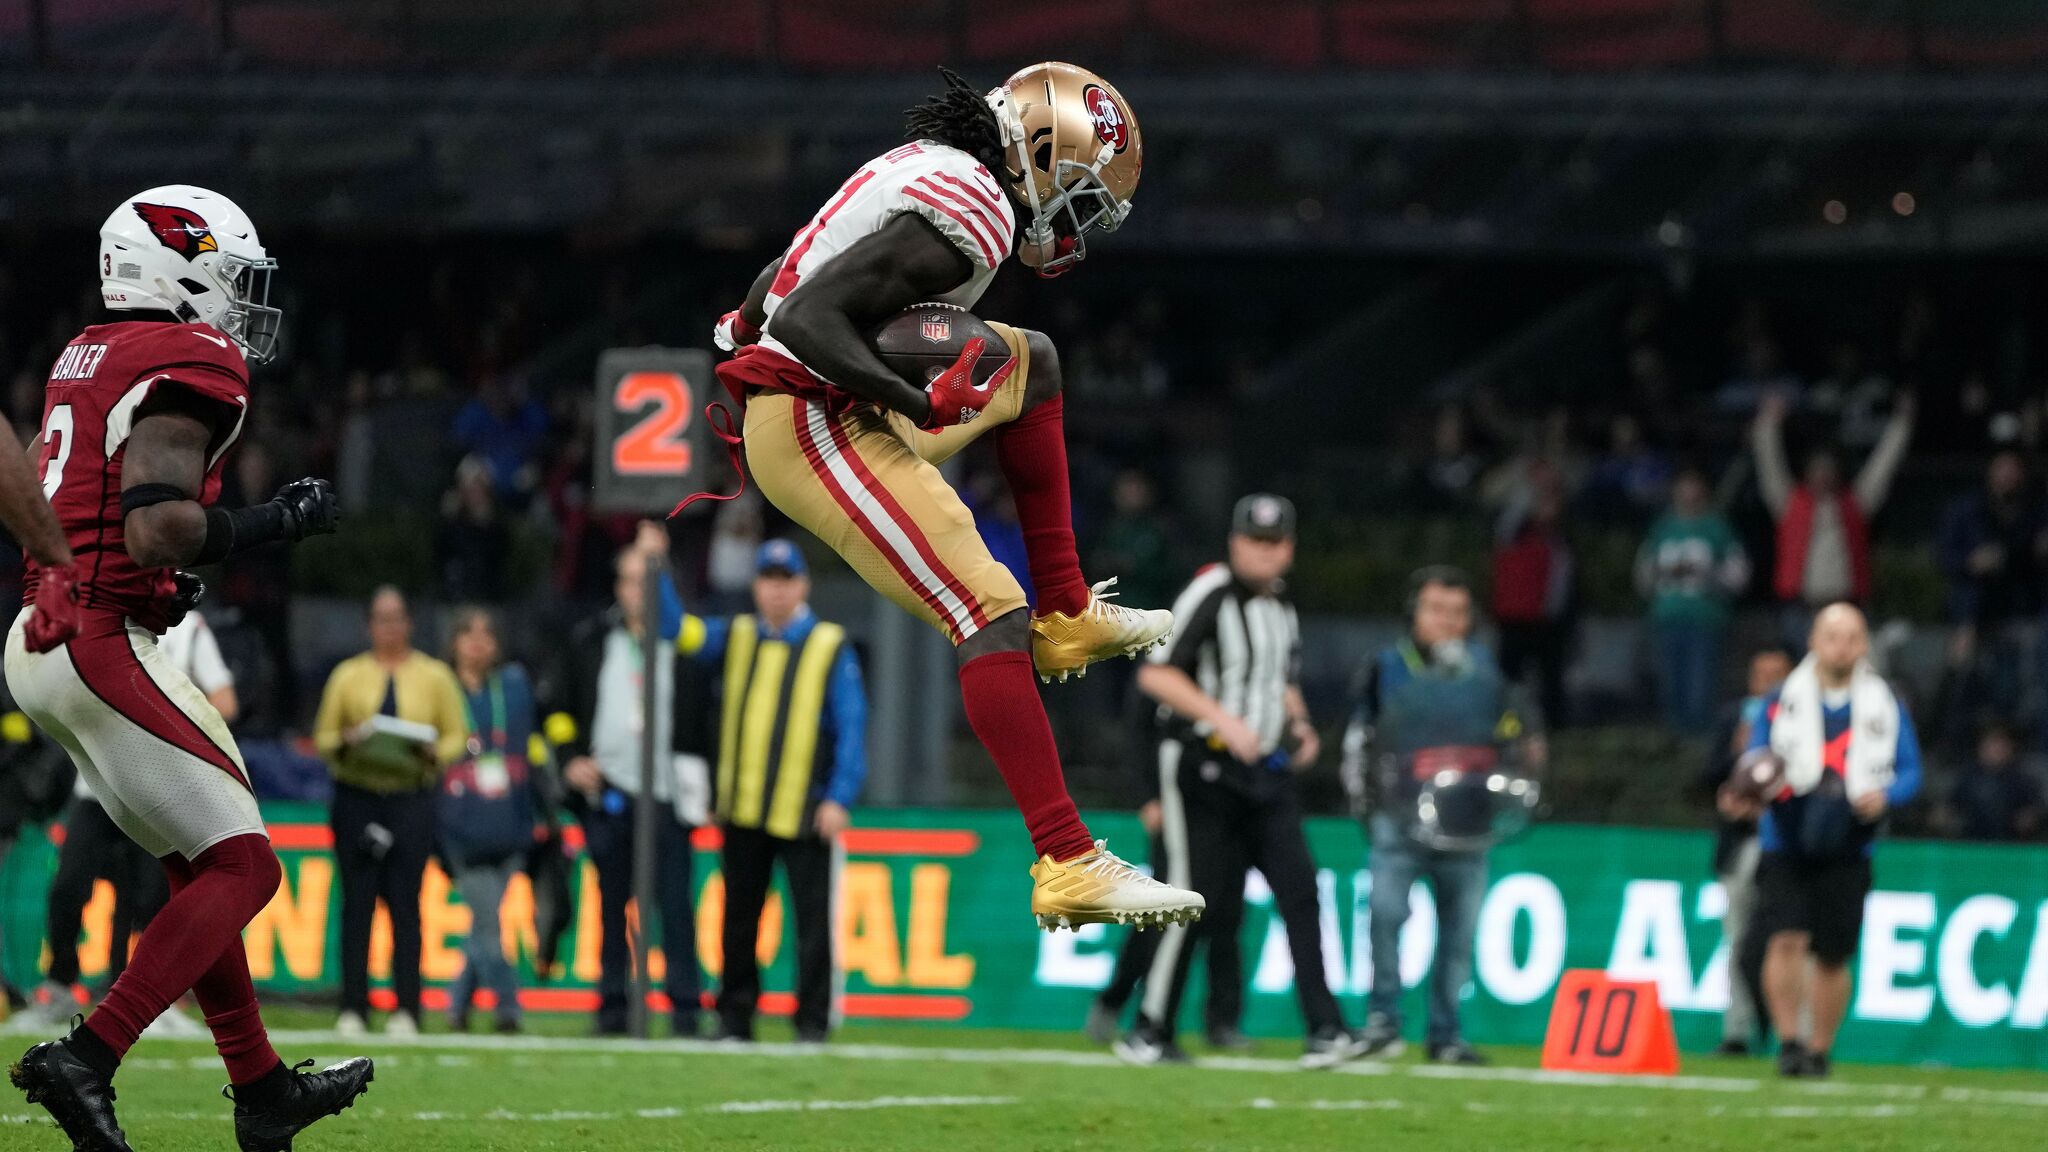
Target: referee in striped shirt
[1236, 733]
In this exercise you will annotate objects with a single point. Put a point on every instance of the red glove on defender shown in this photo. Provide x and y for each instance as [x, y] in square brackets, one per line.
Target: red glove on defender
[56, 616]
[956, 398]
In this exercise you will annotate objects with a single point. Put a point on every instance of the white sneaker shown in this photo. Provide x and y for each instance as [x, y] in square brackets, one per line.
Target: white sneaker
[176, 1025]
[350, 1024]
[402, 1025]
[1099, 888]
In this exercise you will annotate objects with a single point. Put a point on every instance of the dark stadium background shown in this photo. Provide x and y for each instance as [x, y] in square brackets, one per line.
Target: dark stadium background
[1355, 216]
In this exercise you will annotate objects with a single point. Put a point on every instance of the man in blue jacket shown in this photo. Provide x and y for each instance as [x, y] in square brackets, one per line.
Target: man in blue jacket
[1850, 755]
[792, 755]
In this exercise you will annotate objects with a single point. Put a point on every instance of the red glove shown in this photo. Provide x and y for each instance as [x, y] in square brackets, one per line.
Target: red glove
[956, 398]
[55, 619]
[732, 332]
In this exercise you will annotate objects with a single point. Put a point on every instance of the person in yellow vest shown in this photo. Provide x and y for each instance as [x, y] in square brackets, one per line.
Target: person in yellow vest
[792, 754]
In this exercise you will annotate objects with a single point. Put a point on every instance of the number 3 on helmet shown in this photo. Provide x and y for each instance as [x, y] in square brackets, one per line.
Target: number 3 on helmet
[193, 254]
[1075, 158]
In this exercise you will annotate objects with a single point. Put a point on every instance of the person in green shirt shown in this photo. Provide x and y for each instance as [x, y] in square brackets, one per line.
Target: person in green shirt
[1690, 568]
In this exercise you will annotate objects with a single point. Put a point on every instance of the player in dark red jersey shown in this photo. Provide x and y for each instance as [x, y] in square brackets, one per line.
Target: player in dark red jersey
[137, 417]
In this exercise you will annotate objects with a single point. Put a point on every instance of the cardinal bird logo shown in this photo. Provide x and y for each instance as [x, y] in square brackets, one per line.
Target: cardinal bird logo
[182, 230]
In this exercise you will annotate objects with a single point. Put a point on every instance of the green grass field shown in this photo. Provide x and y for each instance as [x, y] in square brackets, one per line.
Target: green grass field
[901, 1088]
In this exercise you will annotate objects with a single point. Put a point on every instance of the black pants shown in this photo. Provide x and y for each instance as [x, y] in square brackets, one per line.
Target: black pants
[95, 849]
[609, 836]
[749, 865]
[1229, 828]
[381, 845]
[1536, 650]
[1226, 963]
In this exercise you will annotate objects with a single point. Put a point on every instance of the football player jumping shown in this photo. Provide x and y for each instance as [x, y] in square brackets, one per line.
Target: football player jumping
[137, 417]
[850, 450]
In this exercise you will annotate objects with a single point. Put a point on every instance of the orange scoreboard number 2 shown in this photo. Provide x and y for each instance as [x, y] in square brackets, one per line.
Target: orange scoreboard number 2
[655, 444]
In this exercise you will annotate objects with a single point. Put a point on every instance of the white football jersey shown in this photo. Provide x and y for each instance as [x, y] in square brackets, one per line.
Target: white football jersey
[941, 183]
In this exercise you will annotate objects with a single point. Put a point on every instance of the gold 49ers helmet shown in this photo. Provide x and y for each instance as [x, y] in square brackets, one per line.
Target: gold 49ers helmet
[1075, 158]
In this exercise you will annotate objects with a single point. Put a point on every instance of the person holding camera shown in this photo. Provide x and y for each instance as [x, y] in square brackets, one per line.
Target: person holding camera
[1834, 751]
[1434, 727]
[1237, 733]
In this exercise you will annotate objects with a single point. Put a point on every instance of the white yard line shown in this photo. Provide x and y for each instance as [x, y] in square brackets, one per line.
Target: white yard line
[561, 1116]
[614, 1049]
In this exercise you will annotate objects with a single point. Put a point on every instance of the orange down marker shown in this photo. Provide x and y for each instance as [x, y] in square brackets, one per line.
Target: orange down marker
[1619, 1027]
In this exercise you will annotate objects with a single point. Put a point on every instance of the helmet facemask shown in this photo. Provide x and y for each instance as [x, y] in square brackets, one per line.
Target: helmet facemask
[1056, 240]
[250, 321]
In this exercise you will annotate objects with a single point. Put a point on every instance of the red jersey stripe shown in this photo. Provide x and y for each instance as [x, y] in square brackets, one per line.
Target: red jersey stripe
[918, 192]
[785, 279]
[909, 526]
[991, 218]
[978, 194]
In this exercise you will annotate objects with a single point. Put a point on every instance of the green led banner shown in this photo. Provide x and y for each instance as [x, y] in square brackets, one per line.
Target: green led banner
[935, 925]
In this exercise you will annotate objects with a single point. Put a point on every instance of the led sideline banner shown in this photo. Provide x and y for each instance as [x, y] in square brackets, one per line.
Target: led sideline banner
[934, 926]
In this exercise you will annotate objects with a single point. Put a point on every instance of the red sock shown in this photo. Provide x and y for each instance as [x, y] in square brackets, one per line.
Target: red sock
[1033, 452]
[1005, 712]
[227, 997]
[187, 948]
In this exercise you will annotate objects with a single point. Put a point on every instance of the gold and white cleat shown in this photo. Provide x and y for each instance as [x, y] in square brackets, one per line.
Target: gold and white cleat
[1097, 887]
[1063, 645]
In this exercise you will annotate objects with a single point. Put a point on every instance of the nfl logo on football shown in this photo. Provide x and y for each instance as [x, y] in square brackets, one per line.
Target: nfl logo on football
[937, 329]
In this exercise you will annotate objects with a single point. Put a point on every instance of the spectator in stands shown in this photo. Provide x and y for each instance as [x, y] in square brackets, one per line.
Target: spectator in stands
[1447, 478]
[1823, 528]
[1632, 479]
[1736, 852]
[1534, 591]
[474, 542]
[1855, 395]
[1850, 757]
[1996, 798]
[598, 690]
[1690, 568]
[1760, 371]
[508, 430]
[1135, 544]
[492, 807]
[384, 785]
[1990, 547]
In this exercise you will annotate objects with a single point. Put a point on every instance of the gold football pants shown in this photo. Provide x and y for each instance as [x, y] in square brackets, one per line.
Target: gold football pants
[867, 483]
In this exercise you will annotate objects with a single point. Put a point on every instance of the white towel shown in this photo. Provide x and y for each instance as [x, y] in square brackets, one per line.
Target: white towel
[1798, 739]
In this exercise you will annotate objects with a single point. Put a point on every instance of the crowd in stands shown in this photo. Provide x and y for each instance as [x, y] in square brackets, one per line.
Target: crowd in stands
[1731, 463]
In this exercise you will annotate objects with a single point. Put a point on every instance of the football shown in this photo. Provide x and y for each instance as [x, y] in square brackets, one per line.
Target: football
[922, 341]
[1758, 775]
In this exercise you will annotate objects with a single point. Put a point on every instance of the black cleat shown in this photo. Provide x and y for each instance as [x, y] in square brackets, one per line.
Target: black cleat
[81, 1100]
[1792, 1057]
[312, 1096]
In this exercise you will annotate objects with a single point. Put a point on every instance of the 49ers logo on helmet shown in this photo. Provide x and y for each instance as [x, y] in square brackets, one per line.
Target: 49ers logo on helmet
[180, 229]
[1110, 123]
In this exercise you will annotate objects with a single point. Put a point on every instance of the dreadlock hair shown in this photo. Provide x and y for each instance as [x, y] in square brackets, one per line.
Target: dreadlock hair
[961, 118]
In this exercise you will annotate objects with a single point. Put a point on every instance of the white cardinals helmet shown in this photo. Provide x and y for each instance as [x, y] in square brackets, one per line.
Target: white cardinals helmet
[193, 254]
